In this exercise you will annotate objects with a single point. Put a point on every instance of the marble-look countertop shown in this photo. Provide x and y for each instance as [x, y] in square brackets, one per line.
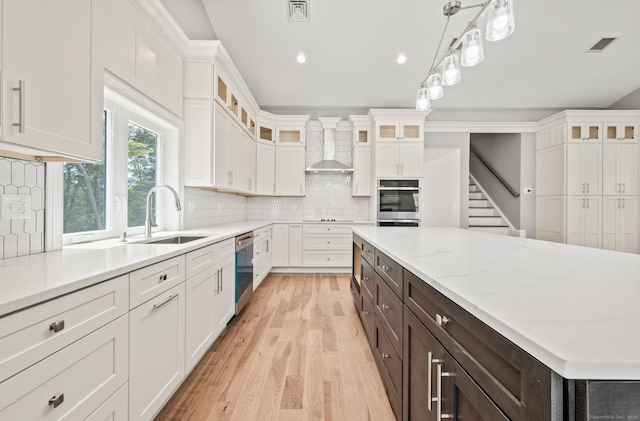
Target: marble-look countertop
[575, 309]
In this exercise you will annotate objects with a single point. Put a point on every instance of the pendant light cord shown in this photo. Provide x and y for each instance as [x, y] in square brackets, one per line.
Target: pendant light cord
[439, 45]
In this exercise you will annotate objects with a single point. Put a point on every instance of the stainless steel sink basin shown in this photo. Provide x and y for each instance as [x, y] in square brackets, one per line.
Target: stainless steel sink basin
[176, 239]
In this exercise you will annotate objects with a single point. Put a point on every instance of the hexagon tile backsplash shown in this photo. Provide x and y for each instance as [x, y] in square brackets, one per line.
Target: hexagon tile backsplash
[19, 237]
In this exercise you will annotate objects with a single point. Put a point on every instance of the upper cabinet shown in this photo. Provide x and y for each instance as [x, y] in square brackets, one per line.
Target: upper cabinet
[361, 130]
[52, 80]
[626, 132]
[584, 132]
[398, 125]
[140, 55]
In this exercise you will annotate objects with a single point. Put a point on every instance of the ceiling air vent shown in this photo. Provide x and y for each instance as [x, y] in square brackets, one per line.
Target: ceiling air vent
[298, 10]
[603, 43]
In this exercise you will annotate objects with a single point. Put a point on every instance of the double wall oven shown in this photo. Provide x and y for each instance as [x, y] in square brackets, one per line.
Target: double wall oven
[398, 203]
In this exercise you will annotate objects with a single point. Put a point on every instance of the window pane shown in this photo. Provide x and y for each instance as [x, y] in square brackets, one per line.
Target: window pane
[143, 145]
[84, 194]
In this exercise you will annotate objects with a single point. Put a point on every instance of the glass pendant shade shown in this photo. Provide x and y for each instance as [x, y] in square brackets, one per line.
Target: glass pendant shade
[434, 86]
[451, 70]
[500, 20]
[422, 102]
[472, 49]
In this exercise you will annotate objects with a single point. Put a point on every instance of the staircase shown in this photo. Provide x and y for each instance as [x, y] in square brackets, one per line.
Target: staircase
[482, 215]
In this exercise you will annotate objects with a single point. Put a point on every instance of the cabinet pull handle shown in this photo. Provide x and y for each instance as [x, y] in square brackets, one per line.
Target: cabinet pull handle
[624, 187]
[385, 356]
[171, 297]
[385, 307]
[624, 203]
[220, 279]
[366, 313]
[588, 189]
[401, 168]
[588, 203]
[21, 106]
[440, 374]
[618, 203]
[163, 277]
[441, 320]
[429, 385]
[56, 327]
[55, 401]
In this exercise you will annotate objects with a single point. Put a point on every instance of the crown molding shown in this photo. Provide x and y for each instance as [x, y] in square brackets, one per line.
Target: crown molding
[479, 127]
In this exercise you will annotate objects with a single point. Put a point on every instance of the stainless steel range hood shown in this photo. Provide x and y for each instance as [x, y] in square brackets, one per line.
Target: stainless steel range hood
[329, 163]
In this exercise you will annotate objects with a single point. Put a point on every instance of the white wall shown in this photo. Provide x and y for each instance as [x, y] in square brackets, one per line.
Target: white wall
[440, 203]
[629, 102]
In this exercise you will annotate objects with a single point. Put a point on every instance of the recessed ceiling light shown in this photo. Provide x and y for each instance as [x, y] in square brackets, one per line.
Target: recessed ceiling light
[402, 59]
[301, 58]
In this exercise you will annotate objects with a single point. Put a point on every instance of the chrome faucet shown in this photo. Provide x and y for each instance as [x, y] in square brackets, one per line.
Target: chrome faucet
[147, 223]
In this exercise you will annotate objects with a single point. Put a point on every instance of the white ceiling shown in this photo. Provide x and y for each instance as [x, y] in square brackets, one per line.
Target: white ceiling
[351, 47]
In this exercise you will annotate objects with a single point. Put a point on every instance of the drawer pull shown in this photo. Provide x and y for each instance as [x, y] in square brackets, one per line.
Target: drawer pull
[56, 400]
[171, 297]
[384, 268]
[385, 356]
[385, 307]
[438, 399]
[56, 326]
[441, 320]
[163, 277]
[366, 313]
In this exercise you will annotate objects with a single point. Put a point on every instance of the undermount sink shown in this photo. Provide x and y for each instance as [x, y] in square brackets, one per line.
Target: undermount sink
[176, 239]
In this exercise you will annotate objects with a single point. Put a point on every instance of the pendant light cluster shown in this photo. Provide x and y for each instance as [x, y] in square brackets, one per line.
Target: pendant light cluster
[500, 24]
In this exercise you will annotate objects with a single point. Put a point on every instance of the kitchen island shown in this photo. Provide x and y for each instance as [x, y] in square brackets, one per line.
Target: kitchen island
[574, 310]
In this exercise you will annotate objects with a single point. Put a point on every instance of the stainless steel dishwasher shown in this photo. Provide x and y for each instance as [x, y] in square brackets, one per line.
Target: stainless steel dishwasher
[244, 270]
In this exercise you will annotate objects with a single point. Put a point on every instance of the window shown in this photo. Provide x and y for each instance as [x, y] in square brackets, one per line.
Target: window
[85, 195]
[103, 200]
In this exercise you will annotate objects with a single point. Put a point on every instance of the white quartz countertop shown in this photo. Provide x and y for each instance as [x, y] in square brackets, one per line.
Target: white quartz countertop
[29, 280]
[575, 309]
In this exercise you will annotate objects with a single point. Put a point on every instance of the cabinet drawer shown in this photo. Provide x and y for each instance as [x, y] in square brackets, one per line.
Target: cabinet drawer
[28, 336]
[389, 308]
[390, 367]
[355, 294]
[202, 259]
[326, 229]
[81, 376]
[330, 259]
[368, 317]
[327, 241]
[366, 249]
[518, 383]
[148, 282]
[390, 271]
[115, 408]
[262, 233]
[368, 282]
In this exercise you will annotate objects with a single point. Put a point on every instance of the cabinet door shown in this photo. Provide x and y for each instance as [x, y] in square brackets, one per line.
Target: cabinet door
[585, 132]
[266, 170]
[628, 169]
[388, 131]
[59, 107]
[411, 159]
[550, 171]
[280, 237]
[290, 171]
[610, 170]
[251, 157]
[199, 315]
[387, 160]
[233, 148]
[593, 222]
[584, 172]
[295, 245]
[199, 157]
[575, 222]
[411, 132]
[621, 132]
[629, 225]
[610, 222]
[156, 356]
[361, 179]
[222, 167]
[224, 302]
[246, 163]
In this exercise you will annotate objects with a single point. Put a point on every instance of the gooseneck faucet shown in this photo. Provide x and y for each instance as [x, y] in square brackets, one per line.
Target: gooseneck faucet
[147, 222]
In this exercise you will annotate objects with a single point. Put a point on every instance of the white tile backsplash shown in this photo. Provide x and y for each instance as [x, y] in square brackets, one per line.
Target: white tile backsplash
[204, 208]
[20, 237]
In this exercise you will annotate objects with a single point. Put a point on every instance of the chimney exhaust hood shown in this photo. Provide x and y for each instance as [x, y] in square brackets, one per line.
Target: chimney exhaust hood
[329, 163]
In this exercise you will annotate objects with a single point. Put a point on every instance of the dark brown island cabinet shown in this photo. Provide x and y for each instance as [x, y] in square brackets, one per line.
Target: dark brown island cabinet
[439, 362]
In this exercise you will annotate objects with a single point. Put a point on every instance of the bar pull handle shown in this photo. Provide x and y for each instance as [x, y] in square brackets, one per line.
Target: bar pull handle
[55, 401]
[221, 283]
[439, 375]
[429, 385]
[56, 327]
[171, 297]
[21, 106]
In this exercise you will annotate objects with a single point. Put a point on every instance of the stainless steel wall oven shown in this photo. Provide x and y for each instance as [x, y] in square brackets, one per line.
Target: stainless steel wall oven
[398, 203]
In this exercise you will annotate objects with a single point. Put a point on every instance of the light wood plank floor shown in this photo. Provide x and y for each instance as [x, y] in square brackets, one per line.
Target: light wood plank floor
[297, 352]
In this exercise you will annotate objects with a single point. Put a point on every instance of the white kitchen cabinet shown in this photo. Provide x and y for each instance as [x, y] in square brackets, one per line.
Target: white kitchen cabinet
[389, 130]
[157, 348]
[550, 167]
[295, 245]
[327, 245]
[262, 252]
[71, 383]
[584, 169]
[584, 132]
[140, 55]
[626, 132]
[200, 291]
[280, 237]
[266, 170]
[399, 160]
[620, 224]
[290, 175]
[52, 107]
[225, 154]
[361, 130]
[246, 164]
[115, 408]
[224, 299]
[361, 178]
[584, 221]
[620, 169]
